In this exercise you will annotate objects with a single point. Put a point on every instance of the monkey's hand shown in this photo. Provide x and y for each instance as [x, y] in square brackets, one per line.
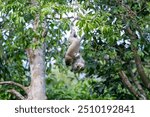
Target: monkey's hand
[77, 55]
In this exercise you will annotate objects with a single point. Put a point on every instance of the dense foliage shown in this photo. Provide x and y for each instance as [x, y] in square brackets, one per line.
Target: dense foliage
[116, 41]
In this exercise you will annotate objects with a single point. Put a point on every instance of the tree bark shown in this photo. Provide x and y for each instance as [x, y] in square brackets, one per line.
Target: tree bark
[37, 69]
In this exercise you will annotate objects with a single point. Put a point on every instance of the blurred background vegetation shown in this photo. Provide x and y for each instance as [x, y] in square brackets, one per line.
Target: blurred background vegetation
[115, 46]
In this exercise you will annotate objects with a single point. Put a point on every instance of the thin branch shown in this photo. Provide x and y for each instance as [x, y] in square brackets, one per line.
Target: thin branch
[45, 28]
[58, 18]
[17, 94]
[126, 81]
[14, 83]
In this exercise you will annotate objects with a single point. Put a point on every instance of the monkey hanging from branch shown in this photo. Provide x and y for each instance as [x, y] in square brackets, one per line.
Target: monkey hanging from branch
[73, 57]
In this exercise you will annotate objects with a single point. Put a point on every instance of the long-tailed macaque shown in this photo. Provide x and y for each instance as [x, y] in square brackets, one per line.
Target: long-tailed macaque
[72, 56]
[73, 49]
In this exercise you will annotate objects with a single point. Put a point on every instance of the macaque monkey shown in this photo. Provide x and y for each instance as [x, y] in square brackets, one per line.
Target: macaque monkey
[73, 49]
[72, 56]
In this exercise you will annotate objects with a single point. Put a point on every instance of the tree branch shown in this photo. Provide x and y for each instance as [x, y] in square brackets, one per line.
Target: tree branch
[137, 59]
[135, 80]
[17, 94]
[126, 81]
[16, 84]
[134, 37]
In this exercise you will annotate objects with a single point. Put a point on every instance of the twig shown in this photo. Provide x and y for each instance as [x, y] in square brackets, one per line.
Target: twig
[58, 18]
[45, 28]
[17, 94]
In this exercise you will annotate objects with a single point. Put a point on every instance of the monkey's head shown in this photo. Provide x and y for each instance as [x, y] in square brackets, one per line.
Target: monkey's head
[79, 66]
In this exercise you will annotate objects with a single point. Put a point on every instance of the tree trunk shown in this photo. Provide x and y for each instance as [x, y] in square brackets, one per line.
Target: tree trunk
[37, 89]
[37, 68]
